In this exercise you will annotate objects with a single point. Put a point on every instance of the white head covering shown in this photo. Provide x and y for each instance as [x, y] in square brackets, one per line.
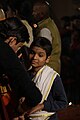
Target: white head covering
[2, 14]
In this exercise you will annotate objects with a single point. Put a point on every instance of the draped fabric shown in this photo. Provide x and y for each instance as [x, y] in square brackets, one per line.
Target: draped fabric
[44, 80]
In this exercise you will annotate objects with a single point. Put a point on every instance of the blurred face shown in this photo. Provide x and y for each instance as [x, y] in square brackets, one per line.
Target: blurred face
[37, 13]
[38, 57]
[10, 13]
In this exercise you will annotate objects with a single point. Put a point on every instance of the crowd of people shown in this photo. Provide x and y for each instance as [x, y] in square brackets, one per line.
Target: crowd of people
[70, 57]
[39, 65]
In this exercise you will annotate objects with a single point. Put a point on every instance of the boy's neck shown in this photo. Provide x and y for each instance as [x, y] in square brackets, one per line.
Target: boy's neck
[35, 70]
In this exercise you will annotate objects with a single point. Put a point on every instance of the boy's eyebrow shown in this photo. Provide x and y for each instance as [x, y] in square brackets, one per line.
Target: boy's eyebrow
[41, 52]
[38, 52]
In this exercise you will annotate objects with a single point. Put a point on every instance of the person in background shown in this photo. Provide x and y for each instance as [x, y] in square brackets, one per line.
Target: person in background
[48, 29]
[25, 14]
[16, 34]
[23, 11]
[47, 80]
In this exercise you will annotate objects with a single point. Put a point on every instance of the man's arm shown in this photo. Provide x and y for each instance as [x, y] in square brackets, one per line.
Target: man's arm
[21, 83]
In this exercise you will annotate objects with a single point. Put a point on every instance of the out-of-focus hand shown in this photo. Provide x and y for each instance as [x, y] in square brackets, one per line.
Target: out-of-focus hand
[19, 118]
[35, 109]
[12, 41]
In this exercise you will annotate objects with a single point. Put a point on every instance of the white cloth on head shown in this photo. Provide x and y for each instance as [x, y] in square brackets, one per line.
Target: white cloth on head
[45, 32]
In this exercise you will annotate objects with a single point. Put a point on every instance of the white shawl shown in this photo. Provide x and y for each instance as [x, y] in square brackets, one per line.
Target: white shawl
[44, 80]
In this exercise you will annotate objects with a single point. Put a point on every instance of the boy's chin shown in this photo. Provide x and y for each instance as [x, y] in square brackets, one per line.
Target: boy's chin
[34, 65]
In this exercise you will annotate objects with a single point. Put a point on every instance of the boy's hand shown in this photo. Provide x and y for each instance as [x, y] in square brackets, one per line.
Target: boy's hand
[35, 109]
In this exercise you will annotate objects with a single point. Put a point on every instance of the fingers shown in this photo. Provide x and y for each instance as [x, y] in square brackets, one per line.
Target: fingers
[17, 47]
[19, 56]
[10, 39]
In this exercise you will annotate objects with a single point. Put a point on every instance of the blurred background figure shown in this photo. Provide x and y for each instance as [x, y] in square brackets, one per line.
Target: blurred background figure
[15, 33]
[48, 29]
[22, 10]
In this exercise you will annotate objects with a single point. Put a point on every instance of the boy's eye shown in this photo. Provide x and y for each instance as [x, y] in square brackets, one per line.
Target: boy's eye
[41, 55]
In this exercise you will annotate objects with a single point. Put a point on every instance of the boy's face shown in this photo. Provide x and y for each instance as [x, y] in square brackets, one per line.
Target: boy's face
[38, 57]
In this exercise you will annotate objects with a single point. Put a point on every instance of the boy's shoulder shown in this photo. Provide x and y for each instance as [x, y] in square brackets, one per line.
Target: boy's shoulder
[48, 68]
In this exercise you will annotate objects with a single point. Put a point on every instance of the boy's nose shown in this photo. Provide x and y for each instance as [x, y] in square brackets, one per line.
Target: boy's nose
[35, 56]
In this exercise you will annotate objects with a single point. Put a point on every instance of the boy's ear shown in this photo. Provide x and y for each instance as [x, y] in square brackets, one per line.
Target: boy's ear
[47, 60]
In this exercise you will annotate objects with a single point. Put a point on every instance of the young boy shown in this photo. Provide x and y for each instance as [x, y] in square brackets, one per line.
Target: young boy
[47, 80]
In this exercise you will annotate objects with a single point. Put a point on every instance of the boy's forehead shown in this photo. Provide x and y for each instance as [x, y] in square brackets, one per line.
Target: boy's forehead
[38, 49]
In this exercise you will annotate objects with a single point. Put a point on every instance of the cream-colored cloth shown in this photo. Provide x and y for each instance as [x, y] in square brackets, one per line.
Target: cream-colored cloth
[41, 115]
[29, 28]
[2, 14]
[44, 80]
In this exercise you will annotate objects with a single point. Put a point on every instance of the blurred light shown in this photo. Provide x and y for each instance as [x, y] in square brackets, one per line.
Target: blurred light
[79, 8]
[70, 103]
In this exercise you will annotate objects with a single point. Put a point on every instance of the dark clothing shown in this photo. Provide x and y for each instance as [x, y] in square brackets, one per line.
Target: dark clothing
[20, 81]
[56, 99]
